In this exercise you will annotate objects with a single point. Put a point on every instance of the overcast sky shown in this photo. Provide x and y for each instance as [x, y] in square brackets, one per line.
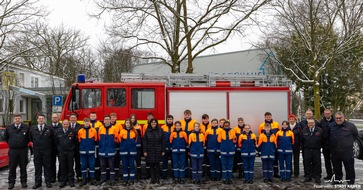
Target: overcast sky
[74, 13]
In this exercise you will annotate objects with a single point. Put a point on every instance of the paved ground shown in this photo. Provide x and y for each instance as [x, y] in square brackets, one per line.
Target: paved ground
[296, 183]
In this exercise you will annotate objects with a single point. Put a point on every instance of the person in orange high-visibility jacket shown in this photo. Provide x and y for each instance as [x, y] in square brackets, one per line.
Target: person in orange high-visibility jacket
[96, 124]
[196, 144]
[178, 140]
[247, 142]
[107, 136]
[267, 147]
[140, 134]
[87, 137]
[275, 126]
[118, 127]
[168, 128]
[228, 140]
[213, 149]
[187, 125]
[238, 130]
[204, 126]
[284, 142]
[128, 151]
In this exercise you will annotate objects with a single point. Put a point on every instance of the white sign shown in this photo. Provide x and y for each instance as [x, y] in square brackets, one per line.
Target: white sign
[56, 109]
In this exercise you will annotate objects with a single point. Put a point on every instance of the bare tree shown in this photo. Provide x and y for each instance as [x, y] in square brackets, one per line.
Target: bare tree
[14, 16]
[177, 30]
[309, 36]
[115, 60]
[60, 51]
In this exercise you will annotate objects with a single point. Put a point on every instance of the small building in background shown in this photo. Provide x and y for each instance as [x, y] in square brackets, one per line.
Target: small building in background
[247, 62]
[27, 92]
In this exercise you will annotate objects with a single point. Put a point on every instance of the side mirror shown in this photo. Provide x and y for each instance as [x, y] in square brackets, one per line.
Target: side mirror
[74, 93]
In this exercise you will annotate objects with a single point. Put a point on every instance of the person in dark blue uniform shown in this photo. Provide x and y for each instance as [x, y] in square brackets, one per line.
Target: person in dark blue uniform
[65, 140]
[55, 125]
[42, 137]
[341, 135]
[325, 122]
[311, 142]
[17, 137]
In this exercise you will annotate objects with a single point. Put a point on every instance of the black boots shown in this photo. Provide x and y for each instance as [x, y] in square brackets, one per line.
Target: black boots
[138, 174]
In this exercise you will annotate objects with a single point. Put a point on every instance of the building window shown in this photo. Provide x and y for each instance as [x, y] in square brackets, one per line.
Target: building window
[21, 79]
[21, 106]
[1, 105]
[143, 98]
[34, 82]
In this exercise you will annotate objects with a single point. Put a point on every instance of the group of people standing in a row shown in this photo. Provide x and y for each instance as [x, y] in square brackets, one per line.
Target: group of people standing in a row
[195, 149]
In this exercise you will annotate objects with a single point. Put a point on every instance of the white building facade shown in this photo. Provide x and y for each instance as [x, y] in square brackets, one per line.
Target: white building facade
[26, 92]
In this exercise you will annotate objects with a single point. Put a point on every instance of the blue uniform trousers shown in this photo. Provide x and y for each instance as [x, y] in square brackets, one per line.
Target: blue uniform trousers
[179, 164]
[107, 163]
[128, 167]
[117, 163]
[88, 161]
[215, 164]
[285, 165]
[248, 164]
[197, 170]
[267, 167]
[164, 167]
[227, 166]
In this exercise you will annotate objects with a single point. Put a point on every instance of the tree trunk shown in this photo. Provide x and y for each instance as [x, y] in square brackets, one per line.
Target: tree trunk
[188, 39]
[316, 87]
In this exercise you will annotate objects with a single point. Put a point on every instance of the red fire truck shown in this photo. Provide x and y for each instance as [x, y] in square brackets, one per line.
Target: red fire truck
[219, 96]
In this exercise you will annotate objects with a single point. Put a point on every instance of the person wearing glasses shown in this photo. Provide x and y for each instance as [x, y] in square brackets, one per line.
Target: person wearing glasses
[341, 135]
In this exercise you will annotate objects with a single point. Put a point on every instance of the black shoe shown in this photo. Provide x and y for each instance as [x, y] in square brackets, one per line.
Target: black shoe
[296, 176]
[92, 182]
[225, 181]
[71, 184]
[101, 182]
[240, 175]
[62, 185]
[282, 179]
[199, 182]
[84, 182]
[182, 181]
[132, 182]
[11, 185]
[251, 182]
[229, 181]
[36, 186]
[52, 180]
[49, 185]
[194, 181]
[277, 175]
[327, 177]
[288, 179]
[152, 181]
[307, 180]
[270, 180]
[175, 181]
[245, 181]
[24, 185]
[125, 183]
[163, 177]
[112, 183]
[265, 180]
[317, 180]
